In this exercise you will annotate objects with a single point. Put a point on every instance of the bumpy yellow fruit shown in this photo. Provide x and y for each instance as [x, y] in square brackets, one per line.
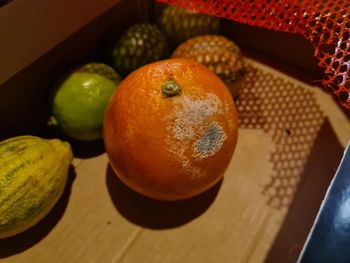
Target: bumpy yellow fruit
[33, 174]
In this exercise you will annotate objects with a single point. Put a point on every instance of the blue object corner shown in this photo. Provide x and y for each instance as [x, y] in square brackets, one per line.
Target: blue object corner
[329, 239]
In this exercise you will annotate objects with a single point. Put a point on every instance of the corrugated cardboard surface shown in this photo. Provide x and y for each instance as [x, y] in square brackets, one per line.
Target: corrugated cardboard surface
[253, 215]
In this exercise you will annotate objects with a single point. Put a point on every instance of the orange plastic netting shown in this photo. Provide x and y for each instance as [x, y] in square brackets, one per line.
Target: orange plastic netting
[325, 23]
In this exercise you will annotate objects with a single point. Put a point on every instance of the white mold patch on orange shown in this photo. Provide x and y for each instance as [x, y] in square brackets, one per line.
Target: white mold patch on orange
[210, 142]
[191, 133]
[190, 113]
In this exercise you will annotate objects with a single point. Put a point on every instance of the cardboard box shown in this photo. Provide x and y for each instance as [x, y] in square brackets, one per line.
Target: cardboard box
[291, 140]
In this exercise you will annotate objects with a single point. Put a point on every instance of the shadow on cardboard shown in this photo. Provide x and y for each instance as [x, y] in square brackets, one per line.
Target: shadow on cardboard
[155, 214]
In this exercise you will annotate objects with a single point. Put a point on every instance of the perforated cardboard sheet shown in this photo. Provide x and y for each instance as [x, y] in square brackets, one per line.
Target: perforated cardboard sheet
[290, 144]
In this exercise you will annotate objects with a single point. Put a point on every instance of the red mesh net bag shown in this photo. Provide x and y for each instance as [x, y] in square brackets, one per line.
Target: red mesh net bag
[325, 23]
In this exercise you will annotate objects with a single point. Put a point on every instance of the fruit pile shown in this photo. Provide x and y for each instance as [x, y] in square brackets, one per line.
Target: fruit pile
[168, 121]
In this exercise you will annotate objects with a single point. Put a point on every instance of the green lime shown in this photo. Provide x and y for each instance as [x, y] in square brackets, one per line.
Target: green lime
[81, 99]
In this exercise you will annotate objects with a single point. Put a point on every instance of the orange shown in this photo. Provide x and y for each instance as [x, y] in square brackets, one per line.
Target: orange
[170, 129]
